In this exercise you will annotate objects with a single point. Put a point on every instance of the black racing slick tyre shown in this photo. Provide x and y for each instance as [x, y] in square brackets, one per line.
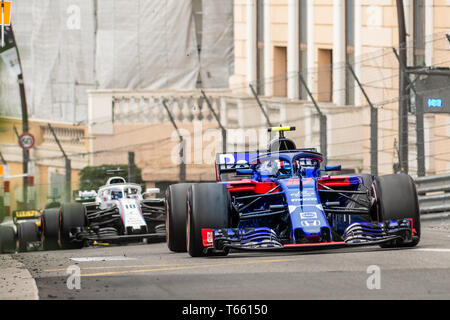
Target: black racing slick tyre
[71, 216]
[176, 214]
[7, 239]
[209, 207]
[27, 232]
[397, 199]
[50, 229]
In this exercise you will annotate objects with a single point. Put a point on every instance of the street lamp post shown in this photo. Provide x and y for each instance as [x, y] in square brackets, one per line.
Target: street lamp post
[403, 99]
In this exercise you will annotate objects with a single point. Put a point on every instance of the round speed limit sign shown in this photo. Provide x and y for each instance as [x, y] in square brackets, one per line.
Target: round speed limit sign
[26, 140]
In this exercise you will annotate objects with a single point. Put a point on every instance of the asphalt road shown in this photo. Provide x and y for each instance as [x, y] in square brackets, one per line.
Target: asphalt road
[150, 271]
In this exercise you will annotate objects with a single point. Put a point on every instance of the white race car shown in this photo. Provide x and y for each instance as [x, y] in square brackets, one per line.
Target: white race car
[117, 213]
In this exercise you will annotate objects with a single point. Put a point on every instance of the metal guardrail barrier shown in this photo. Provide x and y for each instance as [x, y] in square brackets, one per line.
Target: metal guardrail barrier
[434, 193]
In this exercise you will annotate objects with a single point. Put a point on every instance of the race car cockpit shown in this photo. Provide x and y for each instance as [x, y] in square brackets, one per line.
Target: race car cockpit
[272, 167]
[130, 193]
[116, 194]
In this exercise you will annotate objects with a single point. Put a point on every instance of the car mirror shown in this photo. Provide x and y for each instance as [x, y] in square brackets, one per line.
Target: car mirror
[152, 191]
[333, 168]
[244, 172]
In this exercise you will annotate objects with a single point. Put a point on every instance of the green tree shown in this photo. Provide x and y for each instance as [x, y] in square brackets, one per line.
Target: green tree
[91, 178]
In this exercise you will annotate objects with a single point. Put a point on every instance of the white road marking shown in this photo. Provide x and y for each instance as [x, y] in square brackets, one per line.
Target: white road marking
[434, 249]
[94, 259]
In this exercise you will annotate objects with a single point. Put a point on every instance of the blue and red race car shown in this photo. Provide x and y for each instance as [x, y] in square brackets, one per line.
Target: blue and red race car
[282, 199]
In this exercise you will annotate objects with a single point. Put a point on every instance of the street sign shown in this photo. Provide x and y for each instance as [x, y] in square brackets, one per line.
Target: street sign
[5, 18]
[26, 140]
[6, 13]
[4, 171]
[434, 93]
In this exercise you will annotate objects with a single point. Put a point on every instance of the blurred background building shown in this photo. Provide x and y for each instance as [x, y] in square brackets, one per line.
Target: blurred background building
[110, 68]
[275, 41]
[68, 47]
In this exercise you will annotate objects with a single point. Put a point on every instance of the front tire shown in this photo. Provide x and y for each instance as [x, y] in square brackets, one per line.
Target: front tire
[176, 213]
[71, 215]
[397, 199]
[209, 207]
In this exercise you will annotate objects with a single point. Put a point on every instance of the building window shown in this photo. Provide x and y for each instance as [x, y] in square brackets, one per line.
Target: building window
[419, 33]
[349, 50]
[325, 75]
[260, 47]
[280, 71]
[303, 36]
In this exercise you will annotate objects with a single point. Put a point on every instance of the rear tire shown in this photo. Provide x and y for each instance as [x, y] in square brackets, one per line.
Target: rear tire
[176, 213]
[71, 215]
[26, 232]
[397, 199]
[209, 207]
[50, 229]
[7, 240]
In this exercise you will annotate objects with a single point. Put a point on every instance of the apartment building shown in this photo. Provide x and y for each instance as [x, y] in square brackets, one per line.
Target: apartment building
[276, 42]
[280, 42]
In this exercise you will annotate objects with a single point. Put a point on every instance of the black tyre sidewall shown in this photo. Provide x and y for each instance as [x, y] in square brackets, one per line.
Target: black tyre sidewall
[50, 229]
[27, 231]
[7, 240]
[176, 214]
[397, 199]
[71, 215]
[209, 207]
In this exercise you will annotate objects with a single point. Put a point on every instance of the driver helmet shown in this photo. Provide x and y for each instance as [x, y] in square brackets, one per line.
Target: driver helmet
[284, 167]
[116, 194]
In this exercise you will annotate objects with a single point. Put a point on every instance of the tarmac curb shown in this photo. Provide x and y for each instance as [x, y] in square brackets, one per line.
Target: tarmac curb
[16, 282]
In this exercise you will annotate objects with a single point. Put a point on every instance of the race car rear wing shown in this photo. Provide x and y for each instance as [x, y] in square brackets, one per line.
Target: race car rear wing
[25, 215]
[228, 163]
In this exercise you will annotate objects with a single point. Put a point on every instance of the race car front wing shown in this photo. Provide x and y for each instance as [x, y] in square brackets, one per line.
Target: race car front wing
[110, 235]
[216, 241]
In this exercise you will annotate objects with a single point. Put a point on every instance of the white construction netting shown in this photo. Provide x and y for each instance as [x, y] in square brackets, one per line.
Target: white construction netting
[70, 46]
